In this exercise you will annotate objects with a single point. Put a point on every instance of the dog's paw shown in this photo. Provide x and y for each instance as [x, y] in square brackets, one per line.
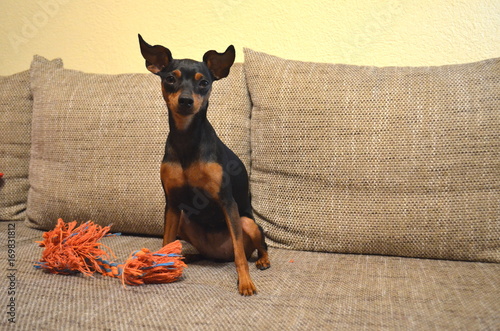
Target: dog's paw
[247, 288]
[263, 263]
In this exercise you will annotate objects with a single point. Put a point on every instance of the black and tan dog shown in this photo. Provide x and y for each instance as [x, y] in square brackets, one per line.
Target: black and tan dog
[205, 183]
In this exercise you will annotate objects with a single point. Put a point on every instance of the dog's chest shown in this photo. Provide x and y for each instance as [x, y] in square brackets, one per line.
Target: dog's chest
[196, 191]
[206, 176]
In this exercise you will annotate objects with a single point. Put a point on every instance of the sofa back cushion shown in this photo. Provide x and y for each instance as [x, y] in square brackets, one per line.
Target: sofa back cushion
[16, 104]
[98, 141]
[395, 161]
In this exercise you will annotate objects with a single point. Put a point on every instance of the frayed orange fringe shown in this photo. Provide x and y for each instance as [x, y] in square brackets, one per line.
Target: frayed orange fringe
[146, 267]
[70, 249]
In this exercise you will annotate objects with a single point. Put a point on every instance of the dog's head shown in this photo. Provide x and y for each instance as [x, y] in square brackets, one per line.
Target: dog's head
[186, 84]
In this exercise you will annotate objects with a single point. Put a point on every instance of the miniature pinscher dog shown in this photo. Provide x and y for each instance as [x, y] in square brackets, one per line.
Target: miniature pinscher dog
[205, 183]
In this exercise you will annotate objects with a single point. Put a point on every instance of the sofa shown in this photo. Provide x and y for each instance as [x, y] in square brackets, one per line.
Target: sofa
[378, 189]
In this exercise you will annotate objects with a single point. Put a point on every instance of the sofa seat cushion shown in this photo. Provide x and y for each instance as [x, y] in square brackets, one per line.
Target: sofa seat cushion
[98, 141]
[301, 291]
[394, 161]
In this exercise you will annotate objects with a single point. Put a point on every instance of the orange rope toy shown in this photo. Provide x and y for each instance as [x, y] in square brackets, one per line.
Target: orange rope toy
[70, 249]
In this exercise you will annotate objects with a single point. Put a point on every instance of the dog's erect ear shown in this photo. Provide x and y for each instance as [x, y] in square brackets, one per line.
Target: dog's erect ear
[220, 63]
[157, 57]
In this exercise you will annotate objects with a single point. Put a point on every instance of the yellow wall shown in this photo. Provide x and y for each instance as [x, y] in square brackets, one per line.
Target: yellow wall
[101, 36]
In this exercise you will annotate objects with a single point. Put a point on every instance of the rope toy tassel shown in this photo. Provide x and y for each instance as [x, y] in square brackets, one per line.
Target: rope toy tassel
[146, 267]
[69, 249]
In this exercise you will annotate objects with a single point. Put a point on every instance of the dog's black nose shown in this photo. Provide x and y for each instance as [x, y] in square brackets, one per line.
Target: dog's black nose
[186, 102]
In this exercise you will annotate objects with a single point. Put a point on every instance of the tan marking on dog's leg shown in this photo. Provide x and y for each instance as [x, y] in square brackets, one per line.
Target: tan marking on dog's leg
[251, 229]
[172, 177]
[245, 284]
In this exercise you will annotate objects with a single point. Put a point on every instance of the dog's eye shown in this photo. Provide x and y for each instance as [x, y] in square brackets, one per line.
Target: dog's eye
[203, 83]
[170, 80]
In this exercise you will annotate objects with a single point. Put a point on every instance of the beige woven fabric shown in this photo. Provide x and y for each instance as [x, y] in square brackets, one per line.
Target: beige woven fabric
[16, 104]
[98, 141]
[301, 291]
[393, 161]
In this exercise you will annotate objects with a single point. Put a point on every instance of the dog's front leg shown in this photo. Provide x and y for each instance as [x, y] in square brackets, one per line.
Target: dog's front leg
[171, 228]
[245, 284]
